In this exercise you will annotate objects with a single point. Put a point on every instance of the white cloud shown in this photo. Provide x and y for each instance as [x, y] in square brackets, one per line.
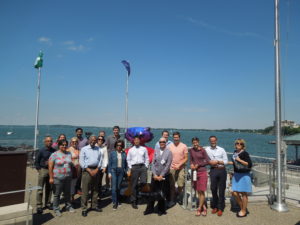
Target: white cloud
[45, 40]
[90, 39]
[69, 42]
[203, 24]
[77, 48]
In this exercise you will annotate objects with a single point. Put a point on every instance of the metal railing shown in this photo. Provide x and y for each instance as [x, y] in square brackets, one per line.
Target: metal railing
[29, 189]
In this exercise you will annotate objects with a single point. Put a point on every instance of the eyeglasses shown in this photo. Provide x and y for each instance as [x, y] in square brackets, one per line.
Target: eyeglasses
[119, 145]
[162, 142]
[239, 143]
[100, 139]
[64, 145]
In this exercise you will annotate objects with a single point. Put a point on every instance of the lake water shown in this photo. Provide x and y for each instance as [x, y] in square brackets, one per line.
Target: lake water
[257, 144]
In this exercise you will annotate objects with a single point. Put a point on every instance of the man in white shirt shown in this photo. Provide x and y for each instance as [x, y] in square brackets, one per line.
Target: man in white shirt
[218, 175]
[138, 162]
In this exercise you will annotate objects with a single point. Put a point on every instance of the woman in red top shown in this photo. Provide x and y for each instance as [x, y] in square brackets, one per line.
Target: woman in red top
[199, 159]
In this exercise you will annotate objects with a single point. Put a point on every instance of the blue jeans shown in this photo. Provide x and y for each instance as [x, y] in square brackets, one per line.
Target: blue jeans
[116, 179]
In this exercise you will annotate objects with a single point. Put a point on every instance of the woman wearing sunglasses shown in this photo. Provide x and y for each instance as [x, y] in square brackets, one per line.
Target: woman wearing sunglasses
[117, 167]
[60, 173]
[241, 180]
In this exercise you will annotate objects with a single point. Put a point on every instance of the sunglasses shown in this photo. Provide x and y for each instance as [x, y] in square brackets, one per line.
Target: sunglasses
[119, 145]
[239, 143]
[100, 139]
[64, 145]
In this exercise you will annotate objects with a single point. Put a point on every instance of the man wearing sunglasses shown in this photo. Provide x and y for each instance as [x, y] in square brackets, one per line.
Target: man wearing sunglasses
[218, 175]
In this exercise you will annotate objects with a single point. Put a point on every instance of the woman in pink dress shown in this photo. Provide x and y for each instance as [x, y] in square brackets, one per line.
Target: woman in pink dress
[199, 159]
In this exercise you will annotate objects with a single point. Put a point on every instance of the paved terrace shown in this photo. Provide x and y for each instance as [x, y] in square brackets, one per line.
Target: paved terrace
[260, 213]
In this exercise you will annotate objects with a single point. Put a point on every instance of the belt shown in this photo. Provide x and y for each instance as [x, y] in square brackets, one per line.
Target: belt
[92, 167]
[140, 164]
[218, 168]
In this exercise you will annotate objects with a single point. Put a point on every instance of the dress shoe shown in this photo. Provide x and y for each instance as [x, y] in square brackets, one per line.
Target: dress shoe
[115, 206]
[84, 213]
[134, 205]
[97, 209]
[171, 204]
[39, 210]
[214, 211]
[220, 212]
[160, 213]
[148, 211]
[50, 207]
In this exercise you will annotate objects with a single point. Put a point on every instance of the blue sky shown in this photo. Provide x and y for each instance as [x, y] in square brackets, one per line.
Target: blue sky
[195, 64]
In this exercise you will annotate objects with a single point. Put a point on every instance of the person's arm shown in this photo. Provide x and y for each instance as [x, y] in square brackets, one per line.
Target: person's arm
[81, 158]
[129, 162]
[37, 160]
[225, 159]
[146, 157]
[167, 165]
[50, 168]
[247, 161]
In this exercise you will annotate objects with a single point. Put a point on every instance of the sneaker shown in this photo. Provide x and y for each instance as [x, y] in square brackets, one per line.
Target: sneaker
[115, 206]
[57, 213]
[71, 209]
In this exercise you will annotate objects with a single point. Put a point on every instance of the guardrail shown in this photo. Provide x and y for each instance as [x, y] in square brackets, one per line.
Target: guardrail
[29, 189]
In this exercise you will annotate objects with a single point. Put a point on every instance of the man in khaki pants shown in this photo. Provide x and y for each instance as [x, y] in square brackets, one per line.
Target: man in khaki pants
[41, 164]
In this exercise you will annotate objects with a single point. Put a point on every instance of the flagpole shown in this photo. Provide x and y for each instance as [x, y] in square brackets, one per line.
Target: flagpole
[36, 131]
[126, 107]
[279, 205]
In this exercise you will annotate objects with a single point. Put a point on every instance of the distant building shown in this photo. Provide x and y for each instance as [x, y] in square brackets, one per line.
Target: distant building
[288, 123]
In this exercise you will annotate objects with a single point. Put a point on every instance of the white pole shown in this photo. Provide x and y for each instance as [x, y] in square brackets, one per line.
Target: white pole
[279, 205]
[36, 131]
[126, 107]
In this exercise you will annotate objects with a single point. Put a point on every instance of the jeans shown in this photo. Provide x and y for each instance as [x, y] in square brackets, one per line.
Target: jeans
[59, 186]
[116, 179]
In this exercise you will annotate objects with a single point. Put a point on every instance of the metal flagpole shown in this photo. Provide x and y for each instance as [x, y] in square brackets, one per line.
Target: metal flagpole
[126, 107]
[36, 131]
[279, 205]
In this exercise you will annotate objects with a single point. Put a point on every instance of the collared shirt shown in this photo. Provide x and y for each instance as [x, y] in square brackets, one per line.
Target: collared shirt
[90, 157]
[42, 157]
[103, 148]
[110, 141]
[217, 153]
[137, 155]
[157, 144]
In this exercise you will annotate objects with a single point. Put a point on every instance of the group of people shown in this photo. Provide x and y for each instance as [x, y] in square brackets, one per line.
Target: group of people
[79, 167]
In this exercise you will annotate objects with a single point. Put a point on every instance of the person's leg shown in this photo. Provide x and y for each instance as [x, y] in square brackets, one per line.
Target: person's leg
[86, 180]
[214, 188]
[48, 189]
[222, 188]
[39, 193]
[172, 185]
[120, 175]
[78, 182]
[94, 190]
[151, 200]
[58, 187]
[180, 182]
[67, 191]
[245, 203]
[238, 198]
[134, 182]
[114, 186]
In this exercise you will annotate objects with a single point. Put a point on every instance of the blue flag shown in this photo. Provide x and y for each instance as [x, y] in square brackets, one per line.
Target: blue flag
[127, 66]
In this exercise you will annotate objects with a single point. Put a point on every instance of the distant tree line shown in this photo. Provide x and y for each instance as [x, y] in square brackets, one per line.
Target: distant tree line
[285, 130]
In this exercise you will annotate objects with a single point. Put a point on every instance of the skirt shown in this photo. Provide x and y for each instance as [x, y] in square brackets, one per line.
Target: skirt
[201, 183]
[241, 182]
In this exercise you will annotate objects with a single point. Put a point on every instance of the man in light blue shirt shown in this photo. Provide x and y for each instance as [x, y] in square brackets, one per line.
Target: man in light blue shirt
[90, 160]
[218, 175]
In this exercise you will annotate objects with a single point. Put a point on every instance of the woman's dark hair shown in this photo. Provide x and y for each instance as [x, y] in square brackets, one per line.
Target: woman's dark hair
[61, 142]
[61, 135]
[79, 128]
[195, 139]
[119, 142]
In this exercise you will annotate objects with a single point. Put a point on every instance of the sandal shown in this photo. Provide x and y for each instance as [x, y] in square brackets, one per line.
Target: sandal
[204, 212]
[198, 213]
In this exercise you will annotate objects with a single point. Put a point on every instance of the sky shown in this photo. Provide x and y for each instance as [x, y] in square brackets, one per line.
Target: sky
[202, 64]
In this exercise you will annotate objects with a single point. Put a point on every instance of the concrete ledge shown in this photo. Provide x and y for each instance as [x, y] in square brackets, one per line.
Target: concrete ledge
[15, 214]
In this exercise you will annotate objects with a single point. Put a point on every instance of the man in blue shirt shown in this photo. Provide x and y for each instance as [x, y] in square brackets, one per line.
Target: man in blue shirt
[41, 164]
[90, 160]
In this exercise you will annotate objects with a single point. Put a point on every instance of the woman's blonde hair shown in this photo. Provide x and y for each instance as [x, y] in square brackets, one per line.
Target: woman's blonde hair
[242, 141]
[74, 139]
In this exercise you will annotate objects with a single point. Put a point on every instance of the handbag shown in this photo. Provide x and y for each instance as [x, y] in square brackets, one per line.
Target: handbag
[240, 166]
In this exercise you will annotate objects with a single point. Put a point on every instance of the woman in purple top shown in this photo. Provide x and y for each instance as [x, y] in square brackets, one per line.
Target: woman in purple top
[199, 159]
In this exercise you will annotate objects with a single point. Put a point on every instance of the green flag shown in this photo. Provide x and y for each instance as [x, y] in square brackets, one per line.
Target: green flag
[39, 61]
